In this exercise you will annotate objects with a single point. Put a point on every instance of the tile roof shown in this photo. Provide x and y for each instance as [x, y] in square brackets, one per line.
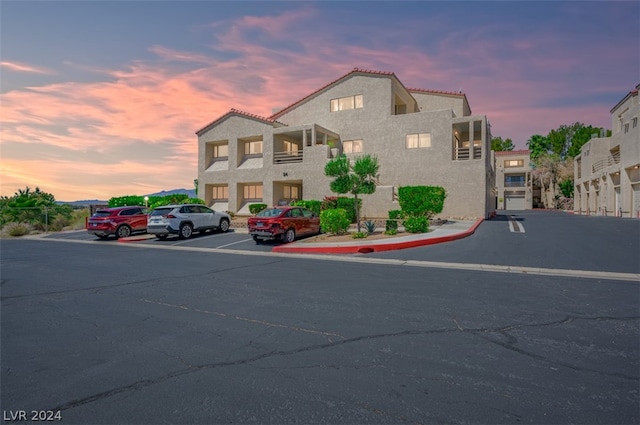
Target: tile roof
[237, 112]
[452, 93]
[353, 71]
[517, 152]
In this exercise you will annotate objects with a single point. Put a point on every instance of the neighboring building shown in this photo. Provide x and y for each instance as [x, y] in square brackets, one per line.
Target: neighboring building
[514, 186]
[607, 171]
[420, 137]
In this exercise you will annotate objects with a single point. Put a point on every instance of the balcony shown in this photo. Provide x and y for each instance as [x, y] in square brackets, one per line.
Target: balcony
[287, 157]
[612, 159]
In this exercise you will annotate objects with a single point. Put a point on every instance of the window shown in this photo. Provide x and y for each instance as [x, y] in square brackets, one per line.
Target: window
[514, 163]
[635, 122]
[220, 151]
[352, 146]
[513, 181]
[290, 147]
[220, 192]
[253, 191]
[253, 148]
[626, 128]
[419, 140]
[344, 103]
[291, 192]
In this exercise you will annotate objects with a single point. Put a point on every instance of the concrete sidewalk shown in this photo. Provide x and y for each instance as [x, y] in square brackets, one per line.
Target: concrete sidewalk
[449, 231]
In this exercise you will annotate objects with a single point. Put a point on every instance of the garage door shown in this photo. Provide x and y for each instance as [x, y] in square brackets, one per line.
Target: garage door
[514, 203]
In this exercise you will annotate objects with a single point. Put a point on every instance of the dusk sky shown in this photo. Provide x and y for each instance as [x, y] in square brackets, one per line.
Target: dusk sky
[103, 99]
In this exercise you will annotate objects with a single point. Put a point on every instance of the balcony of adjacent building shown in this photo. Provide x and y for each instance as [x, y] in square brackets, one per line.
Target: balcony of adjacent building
[467, 140]
[612, 159]
[304, 144]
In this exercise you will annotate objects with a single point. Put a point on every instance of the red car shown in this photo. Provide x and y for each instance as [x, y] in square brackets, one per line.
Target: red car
[119, 221]
[285, 223]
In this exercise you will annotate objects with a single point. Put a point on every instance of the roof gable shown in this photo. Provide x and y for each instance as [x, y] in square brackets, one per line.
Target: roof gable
[241, 114]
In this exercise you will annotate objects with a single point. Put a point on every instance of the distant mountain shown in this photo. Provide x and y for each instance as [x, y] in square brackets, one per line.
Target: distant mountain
[189, 192]
[84, 203]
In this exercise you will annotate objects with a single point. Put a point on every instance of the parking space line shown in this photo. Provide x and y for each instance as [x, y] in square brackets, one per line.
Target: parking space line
[515, 226]
[233, 243]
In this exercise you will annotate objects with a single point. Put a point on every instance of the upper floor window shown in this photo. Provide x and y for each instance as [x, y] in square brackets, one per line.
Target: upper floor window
[419, 140]
[220, 151]
[290, 147]
[344, 103]
[253, 148]
[626, 128]
[634, 122]
[352, 146]
[514, 163]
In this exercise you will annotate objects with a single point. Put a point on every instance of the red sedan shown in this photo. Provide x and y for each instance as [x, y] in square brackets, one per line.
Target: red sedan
[285, 223]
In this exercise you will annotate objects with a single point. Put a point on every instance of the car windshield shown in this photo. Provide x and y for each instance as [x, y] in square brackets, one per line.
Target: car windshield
[161, 211]
[270, 212]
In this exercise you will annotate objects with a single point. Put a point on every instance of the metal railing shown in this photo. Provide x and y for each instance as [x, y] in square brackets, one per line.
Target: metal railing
[287, 157]
[612, 159]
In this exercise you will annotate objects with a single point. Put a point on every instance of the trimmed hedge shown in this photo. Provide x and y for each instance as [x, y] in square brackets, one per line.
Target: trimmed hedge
[334, 221]
[256, 208]
[312, 205]
[421, 201]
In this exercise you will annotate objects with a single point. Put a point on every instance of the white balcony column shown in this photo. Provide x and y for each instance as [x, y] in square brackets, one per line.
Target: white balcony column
[471, 141]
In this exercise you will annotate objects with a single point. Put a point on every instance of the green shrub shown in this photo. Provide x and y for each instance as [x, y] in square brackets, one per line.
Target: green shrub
[391, 225]
[359, 235]
[392, 231]
[421, 201]
[17, 229]
[334, 221]
[59, 223]
[347, 204]
[256, 208]
[312, 205]
[416, 224]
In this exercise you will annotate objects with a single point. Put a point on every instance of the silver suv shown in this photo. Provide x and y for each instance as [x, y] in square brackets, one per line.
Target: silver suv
[183, 220]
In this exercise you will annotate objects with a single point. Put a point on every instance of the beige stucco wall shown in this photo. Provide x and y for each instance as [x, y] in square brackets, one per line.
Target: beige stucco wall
[469, 183]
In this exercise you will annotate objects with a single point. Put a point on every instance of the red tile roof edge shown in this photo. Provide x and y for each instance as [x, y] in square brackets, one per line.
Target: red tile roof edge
[452, 93]
[234, 111]
[353, 71]
[517, 152]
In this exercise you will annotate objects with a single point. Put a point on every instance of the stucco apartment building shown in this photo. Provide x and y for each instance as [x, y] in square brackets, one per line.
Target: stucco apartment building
[421, 137]
[514, 184]
[607, 171]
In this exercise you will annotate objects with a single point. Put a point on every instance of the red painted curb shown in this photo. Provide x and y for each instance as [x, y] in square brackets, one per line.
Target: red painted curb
[373, 247]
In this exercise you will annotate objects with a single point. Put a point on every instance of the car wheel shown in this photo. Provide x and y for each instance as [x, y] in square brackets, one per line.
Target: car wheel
[162, 237]
[123, 231]
[257, 239]
[186, 230]
[289, 236]
[224, 225]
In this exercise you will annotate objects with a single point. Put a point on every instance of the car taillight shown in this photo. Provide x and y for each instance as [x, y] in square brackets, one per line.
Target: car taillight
[169, 216]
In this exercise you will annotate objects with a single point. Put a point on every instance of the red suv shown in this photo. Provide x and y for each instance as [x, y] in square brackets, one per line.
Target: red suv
[119, 221]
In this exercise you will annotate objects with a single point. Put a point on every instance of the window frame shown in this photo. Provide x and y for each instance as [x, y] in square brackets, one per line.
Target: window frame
[420, 138]
[351, 144]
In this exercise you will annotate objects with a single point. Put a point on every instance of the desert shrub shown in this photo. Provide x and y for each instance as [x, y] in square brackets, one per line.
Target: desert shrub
[392, 223]
[359, 235]
[423, 201]
[370, 226]
[256, 208]
[17, 229]
[347, 204]
[416, 224]
[312, 205]
[59, 223]
[334, 221]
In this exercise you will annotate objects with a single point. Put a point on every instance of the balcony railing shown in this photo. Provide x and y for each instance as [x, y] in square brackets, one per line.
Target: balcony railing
[514, 184]
[463, 153]
[287, 157]
[604, 163]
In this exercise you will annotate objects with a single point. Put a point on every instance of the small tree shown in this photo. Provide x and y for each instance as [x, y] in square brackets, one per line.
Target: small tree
[355, 178]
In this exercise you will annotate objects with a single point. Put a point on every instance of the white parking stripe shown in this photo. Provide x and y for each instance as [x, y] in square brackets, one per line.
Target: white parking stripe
[515, 226]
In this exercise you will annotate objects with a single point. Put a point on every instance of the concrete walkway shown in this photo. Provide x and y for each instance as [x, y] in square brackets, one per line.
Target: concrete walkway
[449, 231]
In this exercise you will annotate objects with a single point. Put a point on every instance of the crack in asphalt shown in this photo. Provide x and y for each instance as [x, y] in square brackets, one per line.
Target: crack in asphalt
[278, 353]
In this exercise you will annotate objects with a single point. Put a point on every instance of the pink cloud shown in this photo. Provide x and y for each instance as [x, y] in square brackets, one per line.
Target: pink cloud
[21, 67]
[158, 105]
